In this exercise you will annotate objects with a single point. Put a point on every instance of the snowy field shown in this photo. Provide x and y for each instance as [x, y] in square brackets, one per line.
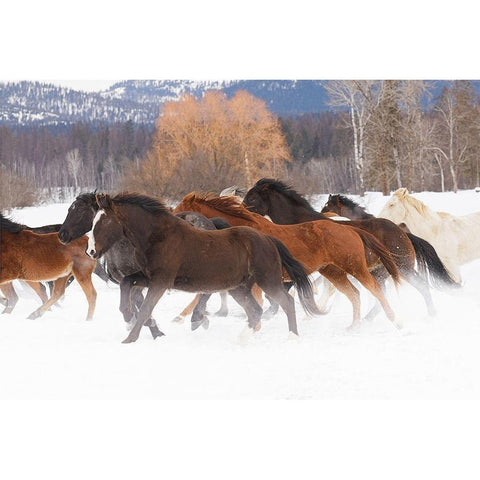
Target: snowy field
[61, 356]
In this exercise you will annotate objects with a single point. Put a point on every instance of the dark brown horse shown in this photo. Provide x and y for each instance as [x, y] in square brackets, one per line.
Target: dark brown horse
[285, 206]
[428, 261]
[41, 257]
[174, 254]
[331, 249]
[119, 261]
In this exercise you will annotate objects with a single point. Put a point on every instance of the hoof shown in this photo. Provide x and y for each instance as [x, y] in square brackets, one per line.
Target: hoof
[204, 321]
[151, 323]
[258, 326]
[158, 334]
[130, 339]
[221, 313]
[293, 337]
[7, 310]
[268, 314]
[178, 319]
[245, 336]
[34, 315]
[354, 327]
[398, 322]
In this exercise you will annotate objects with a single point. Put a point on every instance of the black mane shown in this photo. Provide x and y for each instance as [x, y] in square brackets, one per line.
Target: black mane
[286, 190]
[10, 225]
[88, 198]
[149, 204]
[348, 202]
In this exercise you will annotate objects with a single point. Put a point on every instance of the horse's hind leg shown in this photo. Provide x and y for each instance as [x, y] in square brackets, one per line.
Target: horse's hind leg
[243, 296]
[328, 292]
[223, 312]
[59, 286]
[84, 278]
[422, 286]
[40, 290]
[380, 275]
[340, 280]
[198, 315]
[273, 309]
[279, 294]
[10, 295]
[366, 279]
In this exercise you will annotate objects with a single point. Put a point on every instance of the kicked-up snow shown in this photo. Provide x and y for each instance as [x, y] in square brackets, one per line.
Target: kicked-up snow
[60, 355]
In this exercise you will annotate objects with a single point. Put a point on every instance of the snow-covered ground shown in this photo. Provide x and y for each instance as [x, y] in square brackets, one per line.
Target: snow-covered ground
[62, 356]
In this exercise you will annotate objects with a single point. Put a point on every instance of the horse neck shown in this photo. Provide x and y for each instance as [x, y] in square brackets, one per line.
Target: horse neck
[355, 213]
[139, 225]
[422, 224]
[286, 212]
[210, 212]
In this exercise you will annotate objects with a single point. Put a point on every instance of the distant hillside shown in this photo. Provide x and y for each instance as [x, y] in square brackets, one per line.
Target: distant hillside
[34, 103]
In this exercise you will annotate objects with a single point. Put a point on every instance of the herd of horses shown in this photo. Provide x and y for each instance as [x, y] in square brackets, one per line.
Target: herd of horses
[269, 241]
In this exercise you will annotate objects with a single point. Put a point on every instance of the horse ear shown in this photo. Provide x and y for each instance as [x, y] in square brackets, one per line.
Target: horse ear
[103, 201]
[401, 192]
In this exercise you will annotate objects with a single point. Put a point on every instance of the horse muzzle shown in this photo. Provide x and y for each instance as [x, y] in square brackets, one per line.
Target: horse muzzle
[64, 237]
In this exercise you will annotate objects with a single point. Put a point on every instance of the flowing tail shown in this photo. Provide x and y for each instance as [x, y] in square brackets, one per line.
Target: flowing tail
[429, 264]
[296, 272]
[370, 242]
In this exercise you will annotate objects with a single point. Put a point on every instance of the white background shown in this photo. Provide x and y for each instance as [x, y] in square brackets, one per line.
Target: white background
[201, 40]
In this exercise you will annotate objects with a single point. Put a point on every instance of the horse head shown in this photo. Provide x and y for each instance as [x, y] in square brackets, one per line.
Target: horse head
[106, 229]
[332, 205]
[257, 199]
[79, 218]
[396, 207]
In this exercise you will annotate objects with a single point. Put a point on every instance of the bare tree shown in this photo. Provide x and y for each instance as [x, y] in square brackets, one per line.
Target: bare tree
[360, 98]
[74, 162]
[457, 128]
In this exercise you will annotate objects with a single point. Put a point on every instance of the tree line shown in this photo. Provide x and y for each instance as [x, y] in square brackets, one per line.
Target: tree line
[378, 135]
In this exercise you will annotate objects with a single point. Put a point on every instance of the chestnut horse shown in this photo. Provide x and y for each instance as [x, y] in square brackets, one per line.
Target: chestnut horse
[174, 254]
[38, 287]
[41, 257]
[331, 249]
[286, 206]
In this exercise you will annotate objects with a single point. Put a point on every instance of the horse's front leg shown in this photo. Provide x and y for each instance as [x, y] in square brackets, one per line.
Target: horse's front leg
[154, 293]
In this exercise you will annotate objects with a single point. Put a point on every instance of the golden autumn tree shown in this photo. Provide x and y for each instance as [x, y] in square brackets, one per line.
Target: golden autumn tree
[209, 144]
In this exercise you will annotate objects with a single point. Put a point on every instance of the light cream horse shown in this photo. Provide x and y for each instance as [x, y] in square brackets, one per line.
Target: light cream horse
[456, 239]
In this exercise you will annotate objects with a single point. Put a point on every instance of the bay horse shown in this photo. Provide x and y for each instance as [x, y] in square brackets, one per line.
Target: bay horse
[285, 206]
[41, 257]
[455, 238]
[331, 249]
[429, 263]
[174, 254]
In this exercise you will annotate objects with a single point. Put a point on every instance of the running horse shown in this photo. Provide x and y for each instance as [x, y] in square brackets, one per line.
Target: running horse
[174, 254]
[333, 250]
[286, 206]
[455, 238]
[41, 257]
